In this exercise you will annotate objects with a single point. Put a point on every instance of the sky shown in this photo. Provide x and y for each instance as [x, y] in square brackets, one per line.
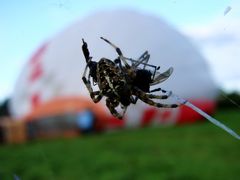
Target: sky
[213, 27]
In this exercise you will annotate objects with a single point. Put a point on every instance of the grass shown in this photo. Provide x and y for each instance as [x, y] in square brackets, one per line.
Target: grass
[196, 151]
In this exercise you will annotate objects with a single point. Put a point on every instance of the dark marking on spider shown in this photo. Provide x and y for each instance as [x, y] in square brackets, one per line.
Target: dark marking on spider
[123, 84]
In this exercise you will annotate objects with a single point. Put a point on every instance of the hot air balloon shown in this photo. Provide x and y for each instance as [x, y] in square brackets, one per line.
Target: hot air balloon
[55, 69]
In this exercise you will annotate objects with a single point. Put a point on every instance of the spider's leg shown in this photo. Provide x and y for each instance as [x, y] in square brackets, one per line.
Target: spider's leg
[143, 56]
[95, 95]
[154, 90]
[153, 96]
[147, 99]
[85, 72]
[157, 89]
[119, 52]
[87, 81]
[86, 51]
[112, 104]
[143, 59]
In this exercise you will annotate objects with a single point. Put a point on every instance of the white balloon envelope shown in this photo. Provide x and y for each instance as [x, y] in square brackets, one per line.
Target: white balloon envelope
[55, 70]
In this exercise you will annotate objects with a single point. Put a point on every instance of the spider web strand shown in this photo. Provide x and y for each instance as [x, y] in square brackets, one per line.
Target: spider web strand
[208, 117]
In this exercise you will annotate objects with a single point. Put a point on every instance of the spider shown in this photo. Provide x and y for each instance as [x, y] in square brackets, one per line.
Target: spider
[110, 80]
[123, 84]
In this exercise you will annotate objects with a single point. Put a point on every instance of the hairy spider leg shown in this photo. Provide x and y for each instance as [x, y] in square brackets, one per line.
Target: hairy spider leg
[147, 99]
[119, 52]
[112, 104]
[88, 60]
[143, 59]
[86, 51]
[153, 96]
[95, 95]
[154, 90]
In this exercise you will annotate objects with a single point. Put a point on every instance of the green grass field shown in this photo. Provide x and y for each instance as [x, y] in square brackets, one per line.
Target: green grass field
[196, 151]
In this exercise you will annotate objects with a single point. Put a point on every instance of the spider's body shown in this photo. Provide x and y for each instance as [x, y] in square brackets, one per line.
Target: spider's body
[123, 84]
[112, 83]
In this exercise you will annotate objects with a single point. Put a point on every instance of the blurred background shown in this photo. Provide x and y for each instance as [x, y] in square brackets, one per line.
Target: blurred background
[46, 111]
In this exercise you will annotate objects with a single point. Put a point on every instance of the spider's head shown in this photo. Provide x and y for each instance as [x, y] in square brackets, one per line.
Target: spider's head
[143, 79]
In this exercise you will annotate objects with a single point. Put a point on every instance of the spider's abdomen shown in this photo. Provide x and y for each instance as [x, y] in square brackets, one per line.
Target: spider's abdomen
[112, 81]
